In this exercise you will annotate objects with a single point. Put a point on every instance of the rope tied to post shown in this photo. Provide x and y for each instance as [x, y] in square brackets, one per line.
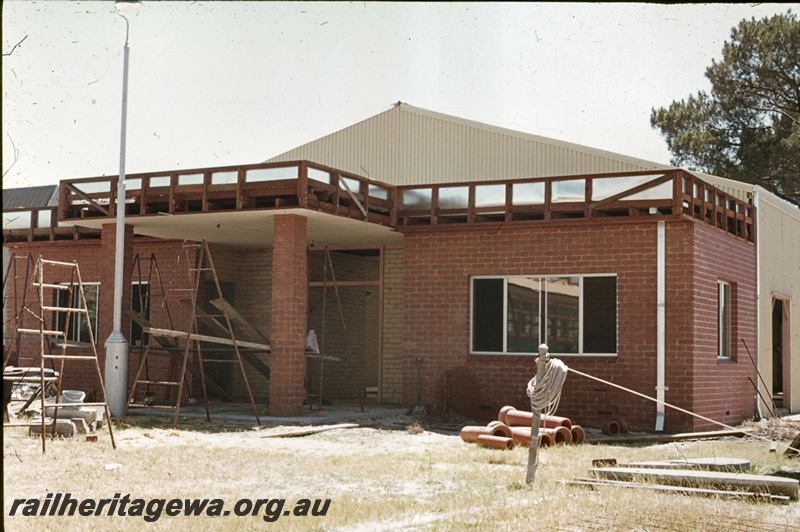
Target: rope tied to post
[545, 392]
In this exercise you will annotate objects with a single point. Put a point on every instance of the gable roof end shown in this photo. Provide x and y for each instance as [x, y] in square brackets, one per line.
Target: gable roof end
[407, 145]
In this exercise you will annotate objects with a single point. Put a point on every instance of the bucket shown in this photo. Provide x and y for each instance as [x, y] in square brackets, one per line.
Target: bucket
[72, 397]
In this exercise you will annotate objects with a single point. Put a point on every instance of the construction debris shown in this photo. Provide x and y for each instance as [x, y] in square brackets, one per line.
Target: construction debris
[793, 451]
[310, 430]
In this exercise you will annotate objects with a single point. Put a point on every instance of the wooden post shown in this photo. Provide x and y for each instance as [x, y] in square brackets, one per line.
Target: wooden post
[533, 451]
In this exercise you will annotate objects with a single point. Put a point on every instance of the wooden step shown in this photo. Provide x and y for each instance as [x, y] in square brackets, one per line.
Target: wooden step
[37, 331]
[65, 309]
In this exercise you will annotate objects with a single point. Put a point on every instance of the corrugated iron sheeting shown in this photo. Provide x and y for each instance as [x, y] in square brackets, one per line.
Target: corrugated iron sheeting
[30, 197]
[410, 146]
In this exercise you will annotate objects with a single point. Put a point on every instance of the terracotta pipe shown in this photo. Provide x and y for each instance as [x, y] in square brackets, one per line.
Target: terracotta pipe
[520, 418]
[470, 433]
[501, 416]
[555, 421]
[611, 428]
[578, 435]
[522, 436]
[495, 442]
[623, 424]
[499, 429]
[561, 435]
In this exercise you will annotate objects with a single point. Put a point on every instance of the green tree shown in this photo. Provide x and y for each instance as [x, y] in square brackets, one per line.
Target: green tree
[748, 128]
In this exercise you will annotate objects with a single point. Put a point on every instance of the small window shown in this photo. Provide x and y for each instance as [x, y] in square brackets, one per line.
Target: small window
[79, 326]
[724, 313]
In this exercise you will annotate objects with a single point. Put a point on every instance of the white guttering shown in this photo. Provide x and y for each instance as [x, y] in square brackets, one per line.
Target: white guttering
[661, 293]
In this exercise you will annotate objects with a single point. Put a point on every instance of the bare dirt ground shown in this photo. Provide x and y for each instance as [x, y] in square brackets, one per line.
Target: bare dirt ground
[403, 473]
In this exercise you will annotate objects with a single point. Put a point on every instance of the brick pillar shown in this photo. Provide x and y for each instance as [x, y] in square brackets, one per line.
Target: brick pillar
[288, 322]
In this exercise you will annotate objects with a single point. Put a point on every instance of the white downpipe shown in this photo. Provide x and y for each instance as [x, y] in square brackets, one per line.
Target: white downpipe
[758, 298]
[661, 294]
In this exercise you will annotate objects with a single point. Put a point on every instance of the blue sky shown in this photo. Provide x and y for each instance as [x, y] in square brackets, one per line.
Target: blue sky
[226, 83]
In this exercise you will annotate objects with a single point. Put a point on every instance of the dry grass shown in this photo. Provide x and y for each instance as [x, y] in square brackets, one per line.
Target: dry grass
[409, 479]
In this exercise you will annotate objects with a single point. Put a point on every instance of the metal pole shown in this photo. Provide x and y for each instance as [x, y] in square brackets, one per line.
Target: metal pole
[116, 365]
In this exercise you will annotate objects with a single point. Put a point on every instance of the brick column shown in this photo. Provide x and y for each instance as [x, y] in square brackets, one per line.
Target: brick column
[288, 322]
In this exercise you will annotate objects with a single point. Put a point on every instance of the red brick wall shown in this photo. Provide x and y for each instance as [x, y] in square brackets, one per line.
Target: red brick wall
[721, 389]
[95, 260]
[437, 271]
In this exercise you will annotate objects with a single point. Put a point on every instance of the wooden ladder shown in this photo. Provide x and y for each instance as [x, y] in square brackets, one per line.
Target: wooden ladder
[14, 296]
[54, 322]
[159, 339]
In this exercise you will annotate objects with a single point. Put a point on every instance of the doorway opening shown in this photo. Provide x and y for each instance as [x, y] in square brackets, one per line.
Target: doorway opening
[780, 351]
[344, 310]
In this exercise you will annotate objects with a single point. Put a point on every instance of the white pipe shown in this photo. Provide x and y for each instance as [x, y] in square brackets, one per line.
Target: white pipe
[661, 293]
[758, 300]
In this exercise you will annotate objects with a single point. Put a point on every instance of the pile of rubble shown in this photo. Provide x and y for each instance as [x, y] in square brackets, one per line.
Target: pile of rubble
[513, 427]
[69, 421]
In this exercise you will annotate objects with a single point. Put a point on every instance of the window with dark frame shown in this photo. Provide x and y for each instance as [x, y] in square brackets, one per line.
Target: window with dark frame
[571, 314]
[78, 325]
[140, 303]
[724, 313]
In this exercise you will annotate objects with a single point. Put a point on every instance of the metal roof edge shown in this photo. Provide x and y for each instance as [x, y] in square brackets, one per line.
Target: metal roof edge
[401, 107]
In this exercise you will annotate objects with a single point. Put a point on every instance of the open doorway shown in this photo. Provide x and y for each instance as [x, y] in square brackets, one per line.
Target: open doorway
[780, 350]
[346, 317]
[220, 372]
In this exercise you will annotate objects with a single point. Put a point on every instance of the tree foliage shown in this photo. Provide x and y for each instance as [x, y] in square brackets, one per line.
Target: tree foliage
[748, 128]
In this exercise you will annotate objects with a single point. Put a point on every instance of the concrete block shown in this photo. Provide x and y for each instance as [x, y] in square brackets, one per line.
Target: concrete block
[89, 415]
[64, 427]
[80, 425]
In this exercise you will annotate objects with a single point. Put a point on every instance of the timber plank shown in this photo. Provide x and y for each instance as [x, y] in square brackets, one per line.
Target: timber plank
[702, 464]
[310, 430]
[593, 482]
[705, 479]
[239, 320]
[204, 338]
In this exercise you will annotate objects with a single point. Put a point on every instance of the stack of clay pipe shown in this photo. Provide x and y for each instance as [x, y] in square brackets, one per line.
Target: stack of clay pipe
[514, 427]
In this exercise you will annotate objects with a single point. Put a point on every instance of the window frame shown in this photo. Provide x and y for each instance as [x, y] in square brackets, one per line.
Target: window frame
[75, 329]
[724, 321]
[542, 321]
[137, 336]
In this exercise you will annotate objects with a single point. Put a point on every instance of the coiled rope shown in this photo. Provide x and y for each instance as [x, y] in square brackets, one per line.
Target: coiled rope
[545, 395]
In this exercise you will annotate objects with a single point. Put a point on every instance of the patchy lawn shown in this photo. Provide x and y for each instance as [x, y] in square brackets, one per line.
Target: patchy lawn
[376, 478]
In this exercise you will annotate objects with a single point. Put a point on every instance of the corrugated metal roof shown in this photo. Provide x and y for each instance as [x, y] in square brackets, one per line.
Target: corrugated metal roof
[30, 197]
[407, 145]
